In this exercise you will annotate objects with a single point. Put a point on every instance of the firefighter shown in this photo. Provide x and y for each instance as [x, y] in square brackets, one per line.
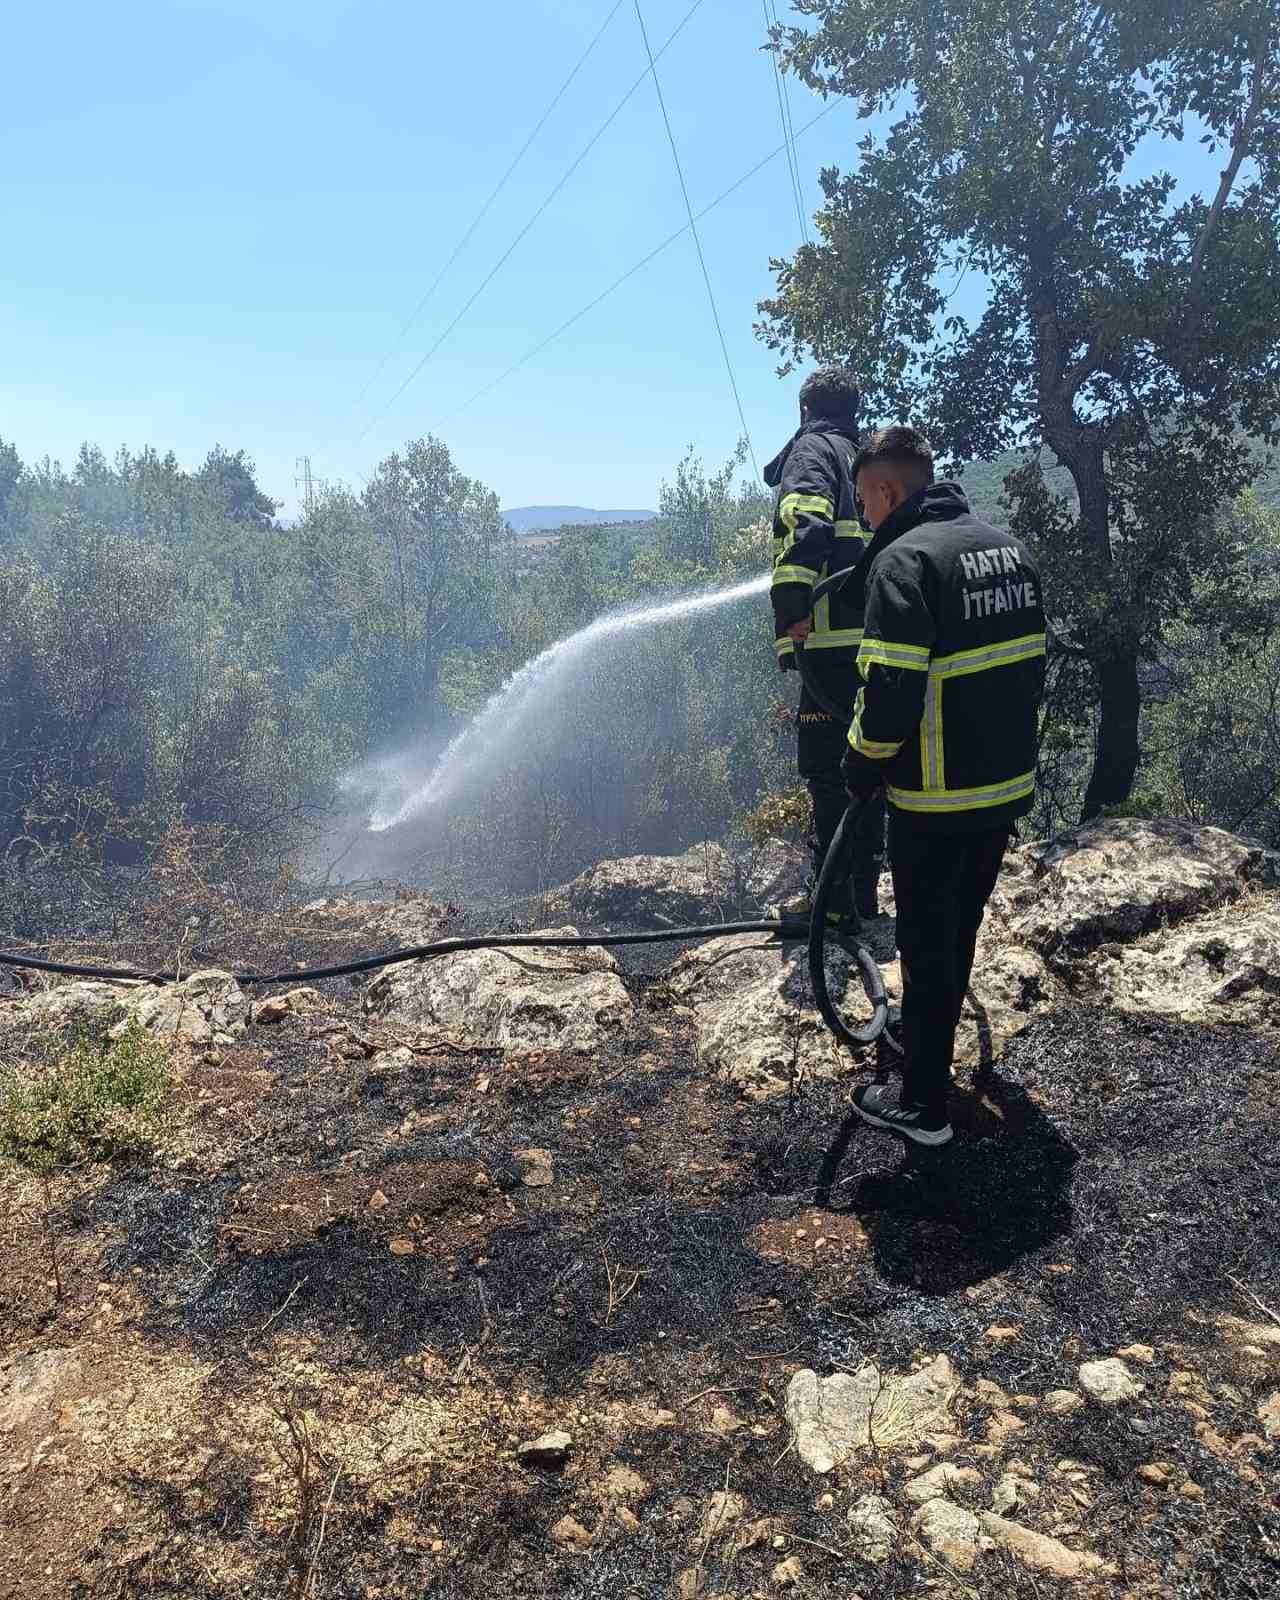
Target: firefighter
[946, 725]
[816, 531]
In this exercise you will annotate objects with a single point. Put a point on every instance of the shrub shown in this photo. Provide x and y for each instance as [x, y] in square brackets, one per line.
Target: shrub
[95, 1098]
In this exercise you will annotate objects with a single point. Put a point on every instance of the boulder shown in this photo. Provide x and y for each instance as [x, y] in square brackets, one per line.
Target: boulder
[1039, 1551]
[940, 1481]
[1124, 876]
[951, 1532]
[705, 884]
[874, 1529]
[754, 1019]
[207, 1008]
[520, 999]
[834, 1418]
[1211, 971]
[1109, 1382]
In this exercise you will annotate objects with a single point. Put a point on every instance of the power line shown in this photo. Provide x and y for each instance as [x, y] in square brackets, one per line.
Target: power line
[631, 271]
[487, 206]
[787, 136]
[693, 229]
[790, 133]
[511, 248]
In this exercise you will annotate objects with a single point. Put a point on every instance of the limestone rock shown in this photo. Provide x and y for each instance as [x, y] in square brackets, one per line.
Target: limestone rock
[1109, 1382]
[1123, 876]
[1212, 970]
[833, 1418]
[569, 1534]
[29, 1384]
[1038, 1550]
[951, 1532]
[551, 1450]
[874, 1528]
[538, 1171]
[753, 1012]
[724, 1511]
[1138, 1352]
[1013, 1491]
[788, 1573]
[626, 1488]
[1061, 1402]
[206, 1008]
[276, 1007]
[705, 884]
[940, 1481]
[1269, 1415]
[520, 1000]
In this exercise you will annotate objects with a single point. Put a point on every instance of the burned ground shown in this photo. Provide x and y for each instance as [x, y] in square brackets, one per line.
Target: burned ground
[324, 1321]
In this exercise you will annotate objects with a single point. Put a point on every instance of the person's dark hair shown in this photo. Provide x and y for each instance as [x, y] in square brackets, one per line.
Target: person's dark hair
[902, 448]
[831, 393]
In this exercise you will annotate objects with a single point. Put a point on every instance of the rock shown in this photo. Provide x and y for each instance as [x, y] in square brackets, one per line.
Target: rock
[689, 1584]
[569, 1534]
[724, 1423]
[538, 1170]
[990, 1394]
[950, 1532]
[1156, 1473]
[940, 1481]
[625, 1487]
[833, 1418]
[1012, 985]
[1269, 1415]
[276, 1007]
[401, 1247]
[378, 1201]
[788, 1573]
[1260, 1336]
[753, 1012]
[724, 1511]
[1002, 1426]
[204, 1008]
[1038, 1550]
[998, 1335]
[1061, 1402]
[551, 1450]
[1013, 1491]
[520, 1000]
[1138, 1352]
[874, 1528]
[626, 1519]
[705, 884]
[1213, 970]
[29, 1384]
[1123, 876]
[1109, 1382]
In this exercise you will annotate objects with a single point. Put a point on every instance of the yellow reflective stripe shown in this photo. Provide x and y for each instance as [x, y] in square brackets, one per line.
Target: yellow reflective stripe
[990, 655]
[834, 638]
[932, 766]
[791, 505]
[786, 574]
[880, 653]
[822, 614]
[850, 530]
[877, 749]
[990, 794]
[784, 644]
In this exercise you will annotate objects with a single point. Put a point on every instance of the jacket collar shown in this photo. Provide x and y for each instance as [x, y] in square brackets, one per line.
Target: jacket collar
[773, 472]
[940, 502]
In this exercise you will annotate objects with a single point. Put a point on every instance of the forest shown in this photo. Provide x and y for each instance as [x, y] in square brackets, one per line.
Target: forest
[175, 656]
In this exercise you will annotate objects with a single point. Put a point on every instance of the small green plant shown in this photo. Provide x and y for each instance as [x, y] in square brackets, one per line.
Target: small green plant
[95, 1098]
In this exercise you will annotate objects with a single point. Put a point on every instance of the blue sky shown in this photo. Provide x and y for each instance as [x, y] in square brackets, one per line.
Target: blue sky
[221, 214]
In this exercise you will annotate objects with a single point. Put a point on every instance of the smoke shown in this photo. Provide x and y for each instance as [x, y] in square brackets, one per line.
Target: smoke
[556, 766]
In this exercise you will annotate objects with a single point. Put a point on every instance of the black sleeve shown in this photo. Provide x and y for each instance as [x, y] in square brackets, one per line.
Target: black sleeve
[807, 499]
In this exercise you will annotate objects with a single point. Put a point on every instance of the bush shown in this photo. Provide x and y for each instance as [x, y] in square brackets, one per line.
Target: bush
[99, 1098]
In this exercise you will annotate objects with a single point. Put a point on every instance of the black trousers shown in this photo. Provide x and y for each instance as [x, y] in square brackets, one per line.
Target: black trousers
[942, 882]
[822, 744]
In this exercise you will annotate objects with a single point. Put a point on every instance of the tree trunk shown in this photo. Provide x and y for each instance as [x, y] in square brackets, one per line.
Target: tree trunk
[1115, 759]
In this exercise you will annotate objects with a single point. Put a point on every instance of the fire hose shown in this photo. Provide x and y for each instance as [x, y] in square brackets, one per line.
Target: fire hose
[816, 934]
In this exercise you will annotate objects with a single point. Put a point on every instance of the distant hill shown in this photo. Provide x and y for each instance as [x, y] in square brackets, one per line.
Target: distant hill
[528, 519]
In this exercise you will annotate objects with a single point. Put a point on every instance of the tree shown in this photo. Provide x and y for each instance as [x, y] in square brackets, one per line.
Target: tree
[11, 475]
[1133, 329]
[229, 483]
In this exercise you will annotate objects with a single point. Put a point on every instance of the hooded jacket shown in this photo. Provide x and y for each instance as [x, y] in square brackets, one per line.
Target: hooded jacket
[816, 531]
[952, 661]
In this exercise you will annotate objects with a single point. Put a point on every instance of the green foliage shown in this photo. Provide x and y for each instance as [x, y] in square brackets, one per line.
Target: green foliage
[99, 1098]
[786, 815]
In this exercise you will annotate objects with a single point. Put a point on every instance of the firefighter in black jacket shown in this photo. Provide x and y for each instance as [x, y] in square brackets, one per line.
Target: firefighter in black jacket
[952, 659]
[816, 531]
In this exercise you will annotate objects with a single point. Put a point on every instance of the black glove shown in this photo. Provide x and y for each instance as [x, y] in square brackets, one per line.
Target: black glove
[787, 662]
[860, 779]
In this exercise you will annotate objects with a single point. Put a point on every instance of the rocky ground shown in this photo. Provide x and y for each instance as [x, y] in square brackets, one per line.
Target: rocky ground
[546, 1273]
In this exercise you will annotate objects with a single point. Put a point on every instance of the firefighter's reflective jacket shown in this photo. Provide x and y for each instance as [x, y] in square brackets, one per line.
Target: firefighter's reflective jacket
[816, 532]
[952, 661]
